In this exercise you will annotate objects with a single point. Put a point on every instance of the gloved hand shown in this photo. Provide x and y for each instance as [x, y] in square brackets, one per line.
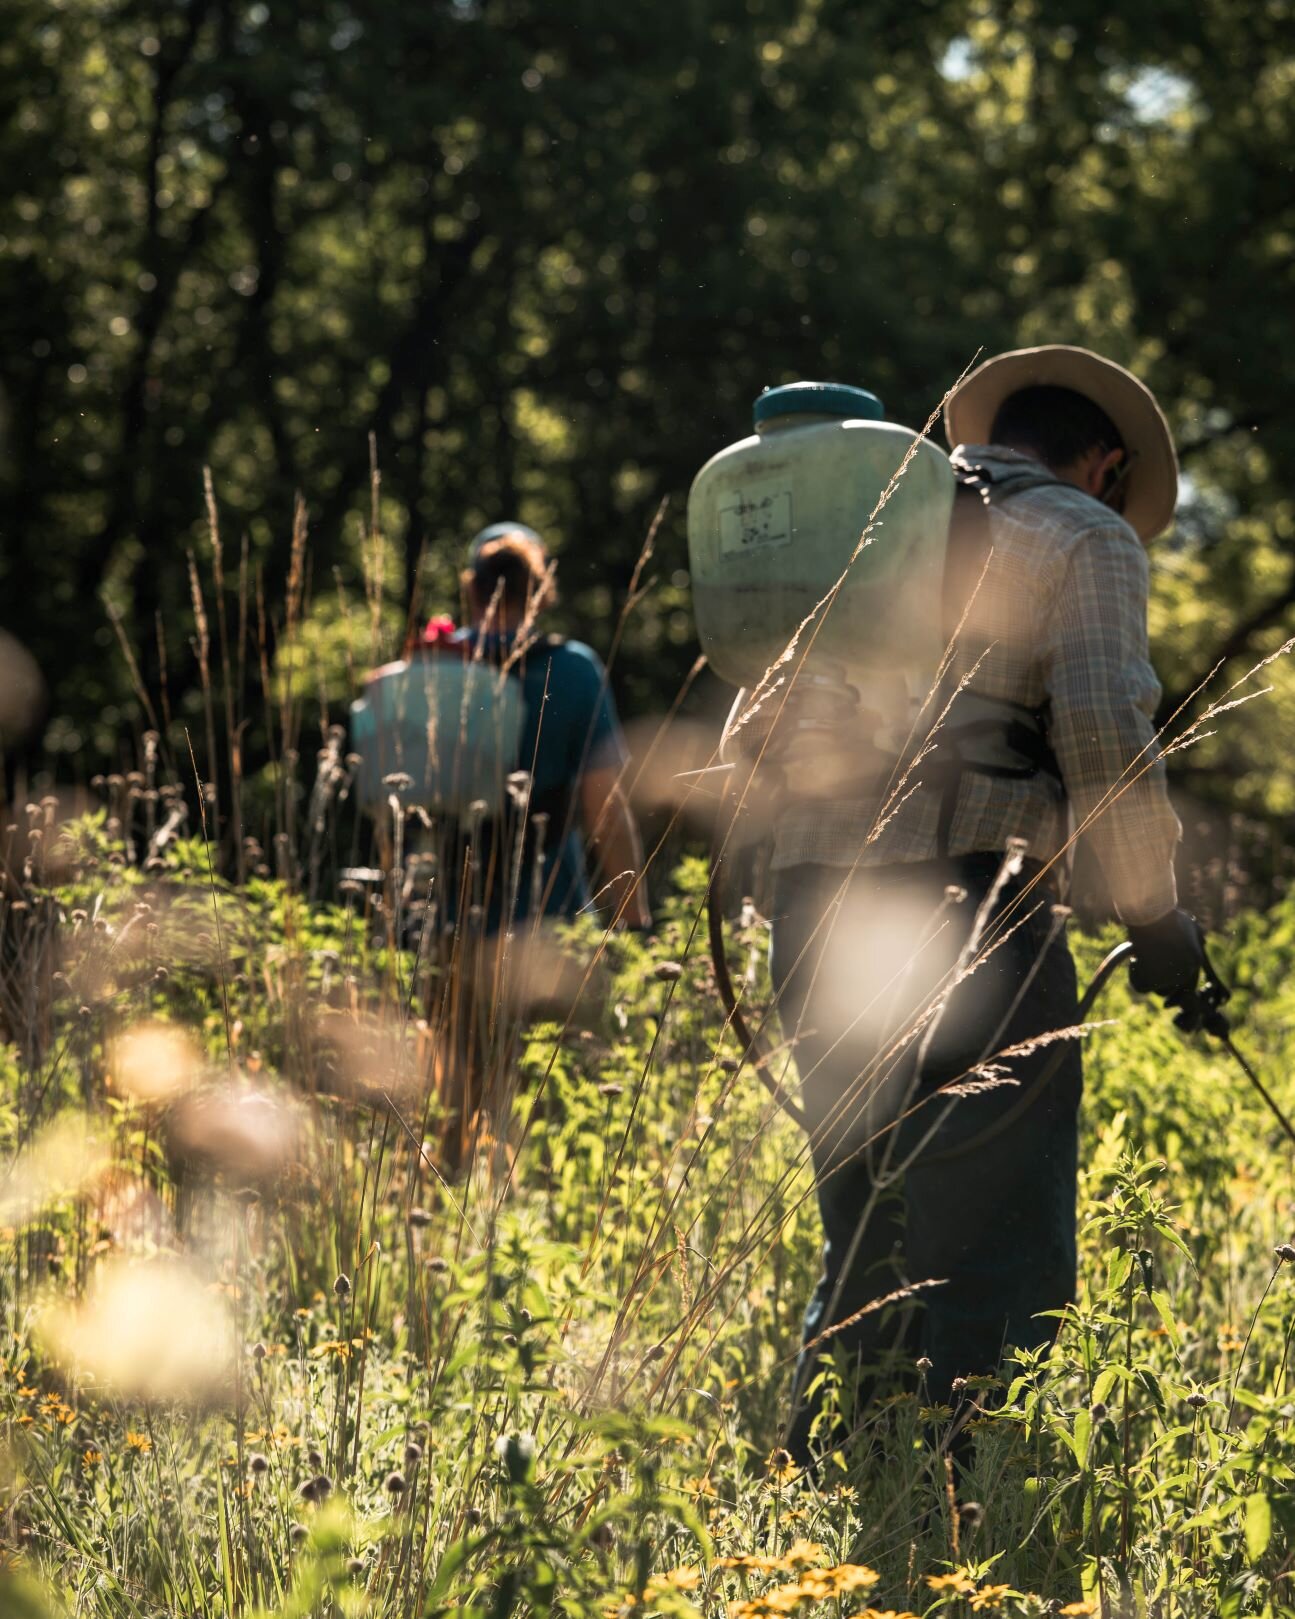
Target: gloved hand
[1168, 960]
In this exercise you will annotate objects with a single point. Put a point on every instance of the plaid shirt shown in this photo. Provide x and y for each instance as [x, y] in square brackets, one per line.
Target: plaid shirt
[1060, 624]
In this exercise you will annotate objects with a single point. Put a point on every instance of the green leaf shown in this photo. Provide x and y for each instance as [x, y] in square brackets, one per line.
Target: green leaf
[1259, 1525]
[1164, 1310]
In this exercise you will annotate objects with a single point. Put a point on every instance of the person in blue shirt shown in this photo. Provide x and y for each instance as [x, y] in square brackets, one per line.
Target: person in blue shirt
[571, 744]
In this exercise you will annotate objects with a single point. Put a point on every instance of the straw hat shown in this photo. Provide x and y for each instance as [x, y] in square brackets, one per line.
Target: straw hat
[1152, 483]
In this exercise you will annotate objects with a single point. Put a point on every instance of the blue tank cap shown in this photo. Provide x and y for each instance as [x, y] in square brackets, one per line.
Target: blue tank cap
[820, 399]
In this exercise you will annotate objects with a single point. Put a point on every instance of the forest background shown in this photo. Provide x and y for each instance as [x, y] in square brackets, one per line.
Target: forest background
[547, 254]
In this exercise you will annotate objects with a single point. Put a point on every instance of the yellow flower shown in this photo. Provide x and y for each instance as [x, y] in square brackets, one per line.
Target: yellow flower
[139, 1442]
[91, 1458]
[780, 1467]
[676, 1579]
[337, 1347]
[752, 1563]
[804, 1553]
[848, 1577]
[883, 1613]
[988, 1596]
[957, 1581]
[1076, 1610]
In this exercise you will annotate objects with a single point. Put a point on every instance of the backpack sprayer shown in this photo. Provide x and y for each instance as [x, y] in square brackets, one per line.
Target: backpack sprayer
[773, 521]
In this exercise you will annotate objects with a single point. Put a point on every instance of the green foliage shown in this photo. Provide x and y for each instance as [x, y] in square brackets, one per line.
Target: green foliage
[557, 1381]
[547, 256]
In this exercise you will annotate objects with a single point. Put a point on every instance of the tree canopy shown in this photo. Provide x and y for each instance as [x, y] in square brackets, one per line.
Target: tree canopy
[546, 256]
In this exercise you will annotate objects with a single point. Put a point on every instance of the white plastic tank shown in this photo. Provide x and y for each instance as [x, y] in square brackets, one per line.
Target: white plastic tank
[773, 521]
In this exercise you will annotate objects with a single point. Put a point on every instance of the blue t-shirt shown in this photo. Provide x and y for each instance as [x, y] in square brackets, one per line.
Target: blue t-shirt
[569, 726]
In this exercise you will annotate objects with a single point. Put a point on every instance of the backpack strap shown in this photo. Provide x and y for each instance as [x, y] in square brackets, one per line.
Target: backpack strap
[981, 735]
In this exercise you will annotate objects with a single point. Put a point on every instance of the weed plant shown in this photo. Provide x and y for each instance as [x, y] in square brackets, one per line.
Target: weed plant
[289, 1330]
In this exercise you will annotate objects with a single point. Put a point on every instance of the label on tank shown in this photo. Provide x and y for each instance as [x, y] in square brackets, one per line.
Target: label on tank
[756, 518]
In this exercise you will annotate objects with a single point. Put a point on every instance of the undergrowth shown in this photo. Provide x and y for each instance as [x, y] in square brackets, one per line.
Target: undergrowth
[267, 1350]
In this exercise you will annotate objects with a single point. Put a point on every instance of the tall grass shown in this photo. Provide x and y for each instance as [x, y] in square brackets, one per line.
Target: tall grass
[290, 1331]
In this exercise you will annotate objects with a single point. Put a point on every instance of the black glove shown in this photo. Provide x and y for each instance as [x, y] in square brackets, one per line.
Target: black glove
[1168, 960]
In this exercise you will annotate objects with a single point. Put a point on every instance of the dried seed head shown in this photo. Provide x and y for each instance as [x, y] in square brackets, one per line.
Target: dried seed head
[610, 1089]
[298, 1533]
[413, 1453]
[657, 1352]
[958, 1384]
[258, 1464]
[317, 1489]
[355, 1565]
[419, 1218]
[729, 1065]
[667, 972]
[971, 1514]
[1285, 1253]
[315, 1458]
[394, 1484]
[924, 1364]
[435, 1263]
[1097, 1411]
[342, 1286]
[473, 1517]
[259, 1353]
[1197, 1402]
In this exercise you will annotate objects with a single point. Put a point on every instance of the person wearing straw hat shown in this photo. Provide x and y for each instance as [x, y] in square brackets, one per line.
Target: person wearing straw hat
[918, 935]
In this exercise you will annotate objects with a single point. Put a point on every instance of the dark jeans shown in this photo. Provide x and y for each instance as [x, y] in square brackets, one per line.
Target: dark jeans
[857, 962]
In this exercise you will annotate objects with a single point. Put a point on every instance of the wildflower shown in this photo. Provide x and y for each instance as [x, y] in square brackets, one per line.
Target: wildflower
[883, 1613]
[804, 1554]
[317, 1489]
[924, 1364]
[780, 1467]
[1076, 1610]
[337, 1347]
[90, 1459]
[957, 1581]
[676, 1579]
[751, 1563]
[988, 1596]
[848, 1577]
